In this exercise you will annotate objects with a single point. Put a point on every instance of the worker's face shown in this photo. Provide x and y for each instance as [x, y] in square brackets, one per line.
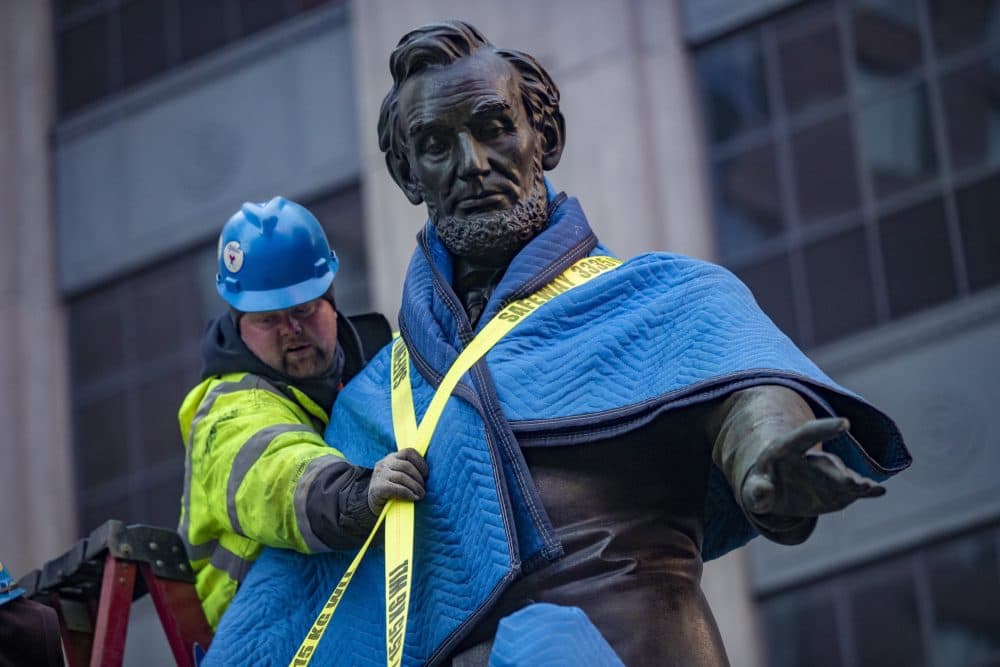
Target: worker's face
[474, 155]
[299, 342]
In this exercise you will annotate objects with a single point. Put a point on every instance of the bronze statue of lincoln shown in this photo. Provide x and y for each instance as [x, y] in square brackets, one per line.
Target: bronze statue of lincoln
[627, 430]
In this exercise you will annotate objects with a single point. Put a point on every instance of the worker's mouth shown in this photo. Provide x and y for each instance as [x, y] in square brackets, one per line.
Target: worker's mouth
[297, 350]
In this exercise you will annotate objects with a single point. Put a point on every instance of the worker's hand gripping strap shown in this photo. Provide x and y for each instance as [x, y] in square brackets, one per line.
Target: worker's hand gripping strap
[398, 514]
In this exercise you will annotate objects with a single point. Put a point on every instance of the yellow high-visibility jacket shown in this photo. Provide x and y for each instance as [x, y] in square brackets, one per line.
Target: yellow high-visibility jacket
[252, 452]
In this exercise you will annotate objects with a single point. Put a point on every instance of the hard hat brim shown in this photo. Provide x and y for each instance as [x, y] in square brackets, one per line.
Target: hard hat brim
[278, 299]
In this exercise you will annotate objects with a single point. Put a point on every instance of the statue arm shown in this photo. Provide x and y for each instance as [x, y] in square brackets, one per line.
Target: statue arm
[768, 443]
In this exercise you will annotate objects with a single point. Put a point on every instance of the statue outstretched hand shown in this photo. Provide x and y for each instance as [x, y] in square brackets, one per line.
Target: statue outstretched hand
[768, 443]
[793, 476]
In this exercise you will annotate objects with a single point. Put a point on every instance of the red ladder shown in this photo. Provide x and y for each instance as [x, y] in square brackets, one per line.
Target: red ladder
[92, 587]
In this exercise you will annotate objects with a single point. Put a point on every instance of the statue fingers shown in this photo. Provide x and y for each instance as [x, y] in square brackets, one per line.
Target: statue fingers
[758, 494]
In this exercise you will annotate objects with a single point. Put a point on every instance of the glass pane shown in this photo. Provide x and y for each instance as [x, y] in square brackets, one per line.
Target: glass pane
[305, 5]
[963, 24]
[971, 98]
[884, 616]
[965, 587]
[163, 501]
[732, 80]
[917, 256]
[840, 285]
[747, 200]
[96, 335]
[897, 143]
[101, 441]
[825, 170]
[886, 42]
[122, 507]
[810, 59]
[801, 629]
[203, 26]
[258, 14]
[158, 309]
[84, 74]
[980, 226]
[771, 284]
[159, 399]
[144, 40]
[342, 218]
[67, 7]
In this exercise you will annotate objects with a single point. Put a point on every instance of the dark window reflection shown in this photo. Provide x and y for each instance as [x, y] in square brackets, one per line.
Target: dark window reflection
[802, 630]
[840, 285]
[884, 614]
[97, 336]
[157, 307]
[771, 284]
[144, 40]
[971, 98]
[84, 71]
[825, 170]
[67, 7]
[342, 218]
[810, 60]
[258, 14]
[101, 430]
[886, 41]
[732, 79]
[747, 200]
[963, 24]
[897, 142]
[978, 207]
[965, 586]
[203, 26]
[163, 501]
[159, 399]
[916, 252]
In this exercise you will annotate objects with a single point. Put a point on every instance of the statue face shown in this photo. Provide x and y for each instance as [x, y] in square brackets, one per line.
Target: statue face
[474, 155]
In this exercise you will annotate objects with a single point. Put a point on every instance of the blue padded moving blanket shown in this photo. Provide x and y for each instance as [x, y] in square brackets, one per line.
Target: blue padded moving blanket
[659, 333]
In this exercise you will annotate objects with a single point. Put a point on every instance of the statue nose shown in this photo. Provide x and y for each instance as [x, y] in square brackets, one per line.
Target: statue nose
[472, 158]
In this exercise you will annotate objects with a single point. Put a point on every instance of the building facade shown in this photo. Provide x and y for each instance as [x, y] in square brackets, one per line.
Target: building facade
[839, 155]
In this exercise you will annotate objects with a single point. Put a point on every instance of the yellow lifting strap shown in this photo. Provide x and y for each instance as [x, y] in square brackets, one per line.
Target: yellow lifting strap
[398, 514]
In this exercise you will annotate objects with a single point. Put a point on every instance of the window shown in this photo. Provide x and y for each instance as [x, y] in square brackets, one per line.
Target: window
[855, 156]
[936, 603]
[106, 46]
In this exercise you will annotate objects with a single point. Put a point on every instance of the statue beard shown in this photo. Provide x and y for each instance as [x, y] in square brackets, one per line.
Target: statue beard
[495, 235]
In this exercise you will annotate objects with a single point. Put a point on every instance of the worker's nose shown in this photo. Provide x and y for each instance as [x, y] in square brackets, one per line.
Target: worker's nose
[472, 160]
[290, 325]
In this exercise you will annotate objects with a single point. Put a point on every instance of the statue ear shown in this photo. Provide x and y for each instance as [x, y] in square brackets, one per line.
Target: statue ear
[553, 139]
[399, 168]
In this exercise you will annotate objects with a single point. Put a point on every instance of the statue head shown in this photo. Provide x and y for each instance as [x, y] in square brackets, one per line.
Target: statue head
[469, 129]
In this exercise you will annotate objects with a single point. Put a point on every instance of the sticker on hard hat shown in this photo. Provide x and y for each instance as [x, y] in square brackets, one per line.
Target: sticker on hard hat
[232, 255]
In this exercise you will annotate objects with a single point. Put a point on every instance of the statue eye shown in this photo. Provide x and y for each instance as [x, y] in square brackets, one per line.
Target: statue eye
[435, 144]
[492, 128]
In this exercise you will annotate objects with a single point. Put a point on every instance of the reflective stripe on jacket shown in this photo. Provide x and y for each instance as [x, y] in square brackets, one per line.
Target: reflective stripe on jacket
[251, 453]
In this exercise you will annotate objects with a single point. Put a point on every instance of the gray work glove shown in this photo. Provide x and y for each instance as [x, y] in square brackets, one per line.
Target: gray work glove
[767, 442]
[399, 475]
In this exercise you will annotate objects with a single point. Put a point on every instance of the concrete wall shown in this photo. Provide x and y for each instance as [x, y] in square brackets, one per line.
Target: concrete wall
[36, 493]
[633, 157]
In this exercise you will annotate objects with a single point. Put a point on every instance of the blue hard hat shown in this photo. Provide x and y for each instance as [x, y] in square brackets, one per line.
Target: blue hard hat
[8, 588]
[273, 256]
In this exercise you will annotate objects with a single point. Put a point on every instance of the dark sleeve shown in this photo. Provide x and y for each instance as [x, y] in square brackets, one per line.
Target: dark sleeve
[29, 635]
[337, 505]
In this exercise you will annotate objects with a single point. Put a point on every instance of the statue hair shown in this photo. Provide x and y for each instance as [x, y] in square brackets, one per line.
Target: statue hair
[439, 45]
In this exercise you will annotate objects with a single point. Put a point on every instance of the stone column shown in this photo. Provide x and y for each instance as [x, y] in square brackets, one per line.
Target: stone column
[36, 457]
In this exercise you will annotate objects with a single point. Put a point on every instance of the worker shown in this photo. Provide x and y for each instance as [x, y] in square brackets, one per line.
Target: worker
[257, 471]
